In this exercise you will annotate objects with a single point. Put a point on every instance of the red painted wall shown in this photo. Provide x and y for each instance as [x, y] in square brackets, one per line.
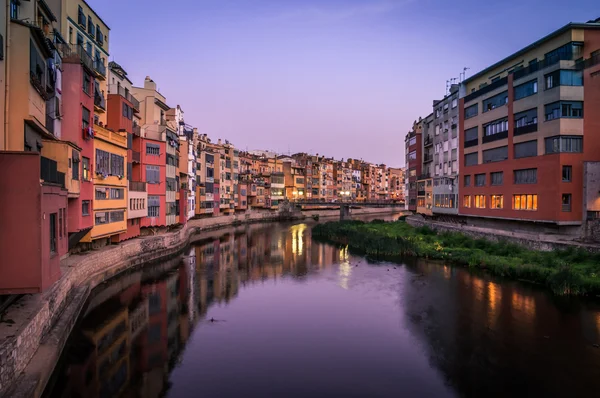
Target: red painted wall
[27, 264]
[114, 113]
[155, 189]
[74, 98]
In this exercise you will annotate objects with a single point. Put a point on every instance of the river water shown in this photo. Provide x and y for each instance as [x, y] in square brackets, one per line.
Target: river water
[264, 311]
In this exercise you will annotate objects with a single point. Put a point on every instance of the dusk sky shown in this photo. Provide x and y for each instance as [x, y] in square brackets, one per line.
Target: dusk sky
[343, 78]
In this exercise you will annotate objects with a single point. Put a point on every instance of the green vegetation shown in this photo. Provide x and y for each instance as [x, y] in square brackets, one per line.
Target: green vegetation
[566, 272]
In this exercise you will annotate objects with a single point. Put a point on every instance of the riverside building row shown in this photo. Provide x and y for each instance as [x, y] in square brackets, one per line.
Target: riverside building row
[89, 158]
[516, 145]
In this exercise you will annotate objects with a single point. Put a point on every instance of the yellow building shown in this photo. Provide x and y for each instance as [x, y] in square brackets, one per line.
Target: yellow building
[110, 184]
[67, 157]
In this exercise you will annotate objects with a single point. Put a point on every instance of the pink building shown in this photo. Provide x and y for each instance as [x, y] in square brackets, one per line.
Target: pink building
[153, 155]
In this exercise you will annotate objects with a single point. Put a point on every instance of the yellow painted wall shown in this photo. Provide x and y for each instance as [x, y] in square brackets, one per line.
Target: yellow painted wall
[116, 143]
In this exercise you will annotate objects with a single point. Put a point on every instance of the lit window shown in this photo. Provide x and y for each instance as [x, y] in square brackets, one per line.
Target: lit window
[525, 202]
[467, 201]
[497, 202]
[480, 201]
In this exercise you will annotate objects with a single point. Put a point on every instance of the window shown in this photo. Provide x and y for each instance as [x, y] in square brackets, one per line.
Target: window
[526, 122]
[495, 101]
[495, 127]
[471, 159]
[480, 201]
[91, 28]
[412, 155]
[526, 89]
[80, 16]
[87, 84]
[100, 218]
[497, 178]
[467, 201]
[495, 155]
[99, 35]
[526, 149]
[117, 193]
[564, 78]
[116, 216]
[479, 180]
[412, 141]
[152, 149]
[471, 111]
[564, 143]
[102, 162]
[101, 193]
[152, 174]
[526, 176]
[117, 165]
[454, 102]
[171, 184]
[127, 111]
[53, 233]
[525, 202]
[299, 180]
[467, 181]
[568, 51]
[14, 9]
[471, 136]
[566, 202]
[568, 109]
[75, 165]
[567, 173]
[85, 207]
[80, 40]
[153, 206]
[497, 202]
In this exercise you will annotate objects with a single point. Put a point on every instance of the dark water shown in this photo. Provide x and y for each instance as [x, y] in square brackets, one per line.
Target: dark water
[296, 318]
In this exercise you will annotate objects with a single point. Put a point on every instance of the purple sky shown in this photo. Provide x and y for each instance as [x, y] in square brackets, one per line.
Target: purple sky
[344, 78]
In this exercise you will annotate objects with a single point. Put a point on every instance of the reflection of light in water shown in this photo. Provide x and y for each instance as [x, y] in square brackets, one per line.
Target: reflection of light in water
[523, 303]
[598, 322]
[494, 297]
[298, 238]
[446, 272]
[478, 287]
[345, 268]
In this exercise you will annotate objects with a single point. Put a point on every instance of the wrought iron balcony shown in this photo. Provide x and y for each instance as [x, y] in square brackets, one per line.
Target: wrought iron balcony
[120, 90]
[428, 141]
[427, 158]
[100, 68]
[72, 53]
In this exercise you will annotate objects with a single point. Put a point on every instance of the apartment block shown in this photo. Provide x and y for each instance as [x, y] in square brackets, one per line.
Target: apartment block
[527, 134]
[443, 142]
[413, 147]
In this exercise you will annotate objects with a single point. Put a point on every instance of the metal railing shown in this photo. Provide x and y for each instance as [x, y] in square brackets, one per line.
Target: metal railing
[428, 140]
[530, 128]
[73, 53]
[137, 186]
[120, 90]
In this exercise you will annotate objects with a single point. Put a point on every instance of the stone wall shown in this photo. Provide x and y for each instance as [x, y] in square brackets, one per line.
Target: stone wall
[531, 241]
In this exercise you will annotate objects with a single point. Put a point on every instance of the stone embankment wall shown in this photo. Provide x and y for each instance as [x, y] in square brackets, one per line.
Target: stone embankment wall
[542, 242]
[34, 331]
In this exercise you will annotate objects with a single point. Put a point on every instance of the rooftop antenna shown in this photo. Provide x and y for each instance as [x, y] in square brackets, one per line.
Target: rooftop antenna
[463, 74]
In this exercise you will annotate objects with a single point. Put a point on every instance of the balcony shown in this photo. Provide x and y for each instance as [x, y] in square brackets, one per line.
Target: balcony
[137, 186]
[486, 89]
[73, 53]
[49, 172]
[530, 128]
[428, 141]
[135, 157]
[494, 137]
[136, 130]
[120, 90]
[100, 68]
[110, 136]
[427, 158]
[99, 103]
[420, 193]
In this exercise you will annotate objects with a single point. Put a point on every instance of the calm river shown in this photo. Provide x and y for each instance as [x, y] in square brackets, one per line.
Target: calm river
[264, 311]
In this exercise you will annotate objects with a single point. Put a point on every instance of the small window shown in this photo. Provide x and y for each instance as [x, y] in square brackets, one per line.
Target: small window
[525, 176]
[567, 173]
[497, 202]
[480, 180]
[497, 178]
[471, 111]
[467, 180]
[467, 201]
[566, 202]
[471, 159]
[480, 201]
[526, 149]
[85, 168]
[53, 233]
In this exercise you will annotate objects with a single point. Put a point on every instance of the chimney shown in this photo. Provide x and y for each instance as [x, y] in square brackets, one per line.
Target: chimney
[149, 84]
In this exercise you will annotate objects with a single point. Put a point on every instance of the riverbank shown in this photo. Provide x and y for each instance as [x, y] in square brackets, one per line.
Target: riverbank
[573, 271]
[34, 330]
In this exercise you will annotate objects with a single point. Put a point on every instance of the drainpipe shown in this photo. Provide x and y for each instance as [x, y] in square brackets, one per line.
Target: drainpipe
[6, 74]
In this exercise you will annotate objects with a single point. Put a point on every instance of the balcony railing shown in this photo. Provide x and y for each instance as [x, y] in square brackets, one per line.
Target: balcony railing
[530, 128]
[120, 90]
[428, 141]
[49, 172]
[424, 176]
[427, 158]
[100, 67]
[135, 157]
[99, 102]
[494, 137]
[137, 186]
[73, 53]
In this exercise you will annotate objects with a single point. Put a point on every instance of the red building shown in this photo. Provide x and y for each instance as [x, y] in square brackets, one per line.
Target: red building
[78, 112]
[527, 134]
[153, 169]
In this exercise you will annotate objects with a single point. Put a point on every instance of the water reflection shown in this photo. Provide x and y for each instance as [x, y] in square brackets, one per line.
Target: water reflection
[304, 319]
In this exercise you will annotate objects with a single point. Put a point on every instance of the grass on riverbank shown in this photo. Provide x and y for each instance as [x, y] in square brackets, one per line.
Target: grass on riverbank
[566, 272]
